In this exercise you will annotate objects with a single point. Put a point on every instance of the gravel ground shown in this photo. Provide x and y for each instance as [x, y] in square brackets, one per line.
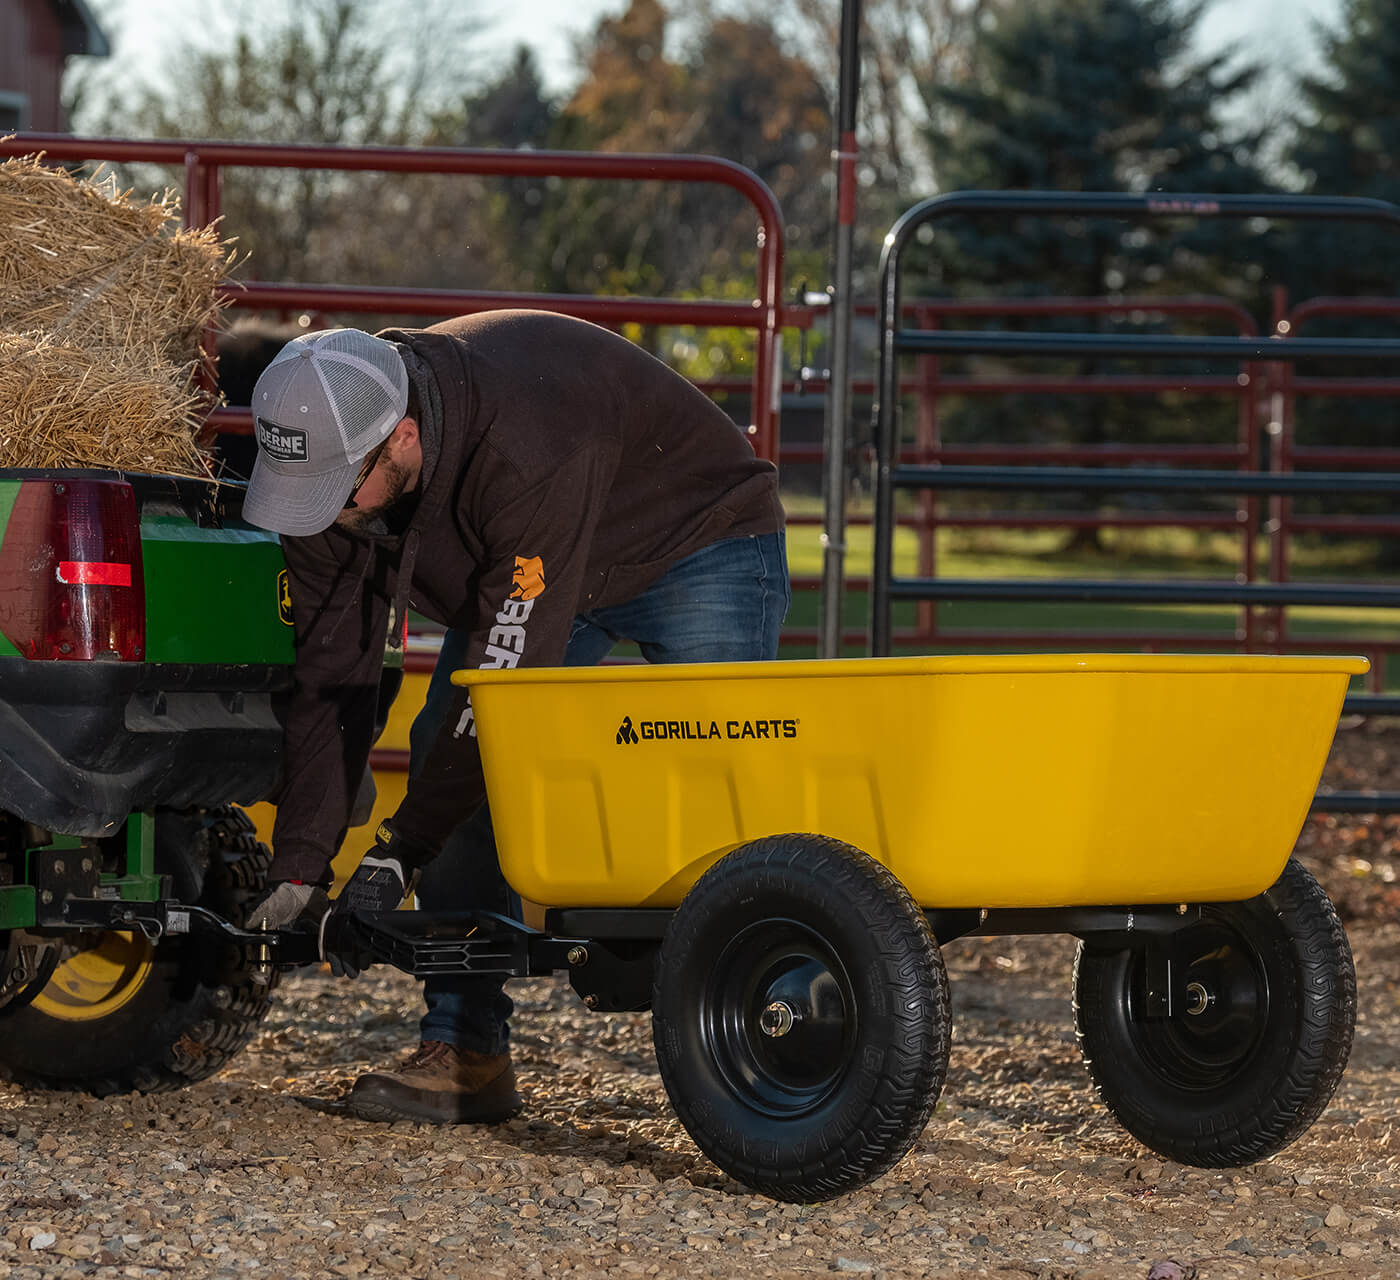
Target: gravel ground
[262, 1172]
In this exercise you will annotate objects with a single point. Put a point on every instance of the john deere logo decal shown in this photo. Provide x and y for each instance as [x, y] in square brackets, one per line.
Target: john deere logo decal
[284, 597]
[629, 734]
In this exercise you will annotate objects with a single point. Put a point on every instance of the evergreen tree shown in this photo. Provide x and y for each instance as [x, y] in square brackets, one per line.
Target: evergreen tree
[513, 109]
[1094, 95]
[1348, 144]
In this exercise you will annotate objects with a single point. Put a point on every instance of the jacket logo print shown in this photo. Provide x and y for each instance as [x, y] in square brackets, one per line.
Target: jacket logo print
[505, 641]
[527, 581]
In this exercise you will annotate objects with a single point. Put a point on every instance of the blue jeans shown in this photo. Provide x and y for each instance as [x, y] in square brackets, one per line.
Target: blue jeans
[725, 603]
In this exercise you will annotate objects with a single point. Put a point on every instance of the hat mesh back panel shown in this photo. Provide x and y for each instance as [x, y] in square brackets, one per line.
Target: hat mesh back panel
[361, 403]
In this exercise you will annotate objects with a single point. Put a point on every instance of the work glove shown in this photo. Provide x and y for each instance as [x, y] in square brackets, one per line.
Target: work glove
[381, 882]
[287, 903]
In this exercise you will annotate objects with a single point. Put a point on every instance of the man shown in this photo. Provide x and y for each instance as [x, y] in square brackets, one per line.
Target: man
[543, 488]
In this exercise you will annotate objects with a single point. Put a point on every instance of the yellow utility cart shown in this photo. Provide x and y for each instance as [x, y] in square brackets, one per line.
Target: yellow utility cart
[771, 855]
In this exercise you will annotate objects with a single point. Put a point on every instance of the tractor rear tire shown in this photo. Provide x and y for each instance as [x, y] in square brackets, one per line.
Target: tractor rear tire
[126, 1015]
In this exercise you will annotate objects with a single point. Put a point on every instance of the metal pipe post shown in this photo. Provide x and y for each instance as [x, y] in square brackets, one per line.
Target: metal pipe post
[838, 389]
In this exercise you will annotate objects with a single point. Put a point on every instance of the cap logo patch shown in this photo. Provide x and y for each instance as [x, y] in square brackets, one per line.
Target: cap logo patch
[281, 444]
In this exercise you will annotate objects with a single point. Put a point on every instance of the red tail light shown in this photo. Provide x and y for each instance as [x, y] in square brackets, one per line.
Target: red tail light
[71, 583]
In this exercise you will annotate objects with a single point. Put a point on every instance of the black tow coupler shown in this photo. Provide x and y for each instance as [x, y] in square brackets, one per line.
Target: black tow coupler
[426, 943]
[422, 943]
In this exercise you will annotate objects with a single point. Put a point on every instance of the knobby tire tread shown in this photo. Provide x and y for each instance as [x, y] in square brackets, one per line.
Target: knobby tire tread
[1317, 948]
[220, 1006]
[914, 1062]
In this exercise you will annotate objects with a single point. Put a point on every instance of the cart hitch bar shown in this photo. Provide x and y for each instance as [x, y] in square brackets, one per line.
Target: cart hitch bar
[460, 943]
[418, 942]
[425, 943]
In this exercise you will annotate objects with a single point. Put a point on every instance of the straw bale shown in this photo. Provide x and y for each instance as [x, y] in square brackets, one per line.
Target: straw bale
[87, 263]
[104, 300]
[65, 407]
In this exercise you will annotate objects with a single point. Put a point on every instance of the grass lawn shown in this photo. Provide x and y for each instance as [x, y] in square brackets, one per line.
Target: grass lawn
[1154, 554]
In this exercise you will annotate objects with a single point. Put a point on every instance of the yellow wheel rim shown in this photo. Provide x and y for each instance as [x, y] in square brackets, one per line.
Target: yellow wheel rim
[96, 983]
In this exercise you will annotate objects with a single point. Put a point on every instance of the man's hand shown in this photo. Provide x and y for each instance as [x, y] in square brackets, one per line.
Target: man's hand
[379, 884]
[385, 877]
[287, 903]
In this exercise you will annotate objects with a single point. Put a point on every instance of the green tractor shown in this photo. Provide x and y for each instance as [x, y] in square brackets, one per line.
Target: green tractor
[145, 642]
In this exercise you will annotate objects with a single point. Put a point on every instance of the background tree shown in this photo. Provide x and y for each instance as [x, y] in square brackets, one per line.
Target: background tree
[1348, 144]
[720, 86]
[1093, 95]
[604, 237]
[733, 91]
[500, 223]
[330, 71]
[342, 71]
[910, 51]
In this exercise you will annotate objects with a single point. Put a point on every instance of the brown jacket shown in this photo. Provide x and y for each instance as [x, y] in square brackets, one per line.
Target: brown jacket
[573, 470]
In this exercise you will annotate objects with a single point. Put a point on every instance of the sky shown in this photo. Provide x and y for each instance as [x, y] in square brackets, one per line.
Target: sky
[141, 29]
[1277, 32]
[1272, 24]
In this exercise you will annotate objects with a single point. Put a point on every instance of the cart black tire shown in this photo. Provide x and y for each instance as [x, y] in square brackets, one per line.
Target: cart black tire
[174, 1012]
[811, 925]
[1254, 1065]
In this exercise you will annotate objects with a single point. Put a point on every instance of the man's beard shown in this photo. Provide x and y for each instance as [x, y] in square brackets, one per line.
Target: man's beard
[394, 477]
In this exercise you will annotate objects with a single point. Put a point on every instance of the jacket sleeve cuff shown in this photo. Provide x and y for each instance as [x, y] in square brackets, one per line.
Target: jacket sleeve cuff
[301, 862]
[408, 849]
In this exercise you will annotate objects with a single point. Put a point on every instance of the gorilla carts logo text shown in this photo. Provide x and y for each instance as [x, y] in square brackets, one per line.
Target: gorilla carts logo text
[629, 734]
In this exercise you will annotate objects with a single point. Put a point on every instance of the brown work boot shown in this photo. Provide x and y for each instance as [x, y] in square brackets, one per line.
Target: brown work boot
[440, 1084]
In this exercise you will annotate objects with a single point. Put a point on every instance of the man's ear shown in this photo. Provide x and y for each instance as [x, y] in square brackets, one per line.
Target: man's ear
[404, 436]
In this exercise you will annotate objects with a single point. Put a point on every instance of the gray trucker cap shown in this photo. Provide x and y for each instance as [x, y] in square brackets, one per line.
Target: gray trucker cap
[325, 401]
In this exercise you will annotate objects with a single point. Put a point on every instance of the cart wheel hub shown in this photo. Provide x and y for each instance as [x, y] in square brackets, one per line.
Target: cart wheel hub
[777, 1019]
[1223, 1006]
[1198, 999]
[780, 1016]
[803, 1020]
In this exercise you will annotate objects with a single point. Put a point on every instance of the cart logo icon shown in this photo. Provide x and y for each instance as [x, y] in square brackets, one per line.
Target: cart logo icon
[627, 733]
[527, 581]
[284, 597]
